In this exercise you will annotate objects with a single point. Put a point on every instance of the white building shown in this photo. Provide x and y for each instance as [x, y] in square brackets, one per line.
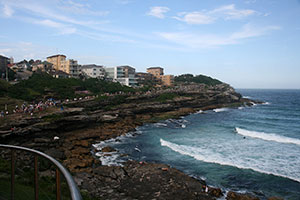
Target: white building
[122, 74]
[93, 71]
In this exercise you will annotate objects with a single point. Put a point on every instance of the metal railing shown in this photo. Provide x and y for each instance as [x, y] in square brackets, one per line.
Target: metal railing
[74, 192]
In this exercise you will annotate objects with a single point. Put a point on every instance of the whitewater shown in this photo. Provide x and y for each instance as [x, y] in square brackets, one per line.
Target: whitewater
[255, 149]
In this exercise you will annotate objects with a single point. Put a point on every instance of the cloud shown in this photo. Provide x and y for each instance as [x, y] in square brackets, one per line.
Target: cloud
[62, 28]
[230, 12]
[226, 12]
[7, 11]
[249, 31]
[25, 50]
[80, 8]
[191, 40]
[195, 18]
[158, 11]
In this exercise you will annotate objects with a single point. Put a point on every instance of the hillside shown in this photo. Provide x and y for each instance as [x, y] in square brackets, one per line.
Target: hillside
[39, 86]
[190, 78]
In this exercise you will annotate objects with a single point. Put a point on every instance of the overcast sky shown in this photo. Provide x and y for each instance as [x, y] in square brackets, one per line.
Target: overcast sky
[246, 43]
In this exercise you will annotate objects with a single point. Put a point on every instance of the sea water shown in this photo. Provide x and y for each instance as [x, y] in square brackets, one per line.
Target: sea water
[248, 149]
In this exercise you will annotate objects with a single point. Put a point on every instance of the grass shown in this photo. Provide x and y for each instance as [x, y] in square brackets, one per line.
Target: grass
[10, 102]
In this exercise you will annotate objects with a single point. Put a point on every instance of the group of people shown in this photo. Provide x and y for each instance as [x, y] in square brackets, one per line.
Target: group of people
[31, 108]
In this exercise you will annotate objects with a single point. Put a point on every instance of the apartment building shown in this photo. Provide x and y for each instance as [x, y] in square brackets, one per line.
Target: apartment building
[155, 71]
[93, 71]
[167, 80]
[158, 73]
[73, 68]
[60, 63]
[122, 74]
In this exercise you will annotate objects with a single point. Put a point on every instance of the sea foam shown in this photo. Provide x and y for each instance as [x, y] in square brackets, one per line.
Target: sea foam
[217, 158]
[267, 136]
[220, 109]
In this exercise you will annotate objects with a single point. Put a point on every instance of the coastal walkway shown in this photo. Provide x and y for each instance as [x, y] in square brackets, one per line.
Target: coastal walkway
[39, 159]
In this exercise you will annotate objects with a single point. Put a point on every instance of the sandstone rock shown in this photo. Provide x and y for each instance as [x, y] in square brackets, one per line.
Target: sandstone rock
[80, 150]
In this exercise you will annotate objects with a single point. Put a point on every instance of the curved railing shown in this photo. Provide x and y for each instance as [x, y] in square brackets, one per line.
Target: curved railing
[74, 192]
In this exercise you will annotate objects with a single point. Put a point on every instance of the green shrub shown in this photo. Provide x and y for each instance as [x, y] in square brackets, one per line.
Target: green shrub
[197, 79]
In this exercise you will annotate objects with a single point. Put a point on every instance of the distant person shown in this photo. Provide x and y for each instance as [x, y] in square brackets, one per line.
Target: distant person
[61, 107]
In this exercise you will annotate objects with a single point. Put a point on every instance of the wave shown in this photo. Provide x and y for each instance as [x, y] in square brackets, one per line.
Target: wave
[220, 109]
[267, 136]
[266, 103]
[199, 112]
[247, 97]
[209, 157]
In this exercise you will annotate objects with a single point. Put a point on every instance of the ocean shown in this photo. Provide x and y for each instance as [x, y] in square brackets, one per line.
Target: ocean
[248, 149]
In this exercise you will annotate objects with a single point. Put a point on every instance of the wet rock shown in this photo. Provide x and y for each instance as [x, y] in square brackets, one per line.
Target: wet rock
[275, 198]
[108, 149]
[238, 196]
[215, 192]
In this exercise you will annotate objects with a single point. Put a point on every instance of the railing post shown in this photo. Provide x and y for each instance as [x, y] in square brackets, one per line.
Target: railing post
[36, 178]
[12, 179]
[58, 193]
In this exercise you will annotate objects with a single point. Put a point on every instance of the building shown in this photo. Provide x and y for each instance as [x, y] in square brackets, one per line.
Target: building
[142, 76]
[73, 68]
[60, 63]
[4, 61]
[158, 73]
[155, 71]
[122, 74]
[167, 80]
[93, 71]
[59, 74]
[44, 66]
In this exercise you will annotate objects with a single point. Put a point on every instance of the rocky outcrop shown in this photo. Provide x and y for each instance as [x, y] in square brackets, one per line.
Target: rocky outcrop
[238, 196]
[140, 180]
[68, 136]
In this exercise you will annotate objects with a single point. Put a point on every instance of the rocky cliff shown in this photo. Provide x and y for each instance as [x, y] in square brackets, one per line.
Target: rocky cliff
[84, 123]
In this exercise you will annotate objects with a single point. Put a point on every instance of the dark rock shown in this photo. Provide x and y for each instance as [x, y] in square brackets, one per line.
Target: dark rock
[215, 192]
[238, 196]
[108, 149]
[56, 153]
[275, 198]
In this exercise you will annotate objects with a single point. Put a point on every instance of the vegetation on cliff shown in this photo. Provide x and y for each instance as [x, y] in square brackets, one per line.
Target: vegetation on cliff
[187, 78]
[40, 85]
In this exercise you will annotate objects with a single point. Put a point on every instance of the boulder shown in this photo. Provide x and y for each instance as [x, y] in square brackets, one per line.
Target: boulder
[238, 196]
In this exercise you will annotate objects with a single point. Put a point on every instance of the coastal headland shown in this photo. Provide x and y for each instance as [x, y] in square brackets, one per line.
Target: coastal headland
[83, 123]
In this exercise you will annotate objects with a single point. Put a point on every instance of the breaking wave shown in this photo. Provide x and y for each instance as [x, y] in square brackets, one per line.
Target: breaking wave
[220, 109]
[217, 158]
[267, 136]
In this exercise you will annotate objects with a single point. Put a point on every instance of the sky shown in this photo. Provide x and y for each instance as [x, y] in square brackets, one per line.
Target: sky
[246, 43]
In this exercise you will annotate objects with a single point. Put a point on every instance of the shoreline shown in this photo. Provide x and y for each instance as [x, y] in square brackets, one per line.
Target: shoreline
[79, 129]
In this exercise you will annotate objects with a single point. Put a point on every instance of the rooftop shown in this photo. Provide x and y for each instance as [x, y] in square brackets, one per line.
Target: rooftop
[56, 56]
[155, 68]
